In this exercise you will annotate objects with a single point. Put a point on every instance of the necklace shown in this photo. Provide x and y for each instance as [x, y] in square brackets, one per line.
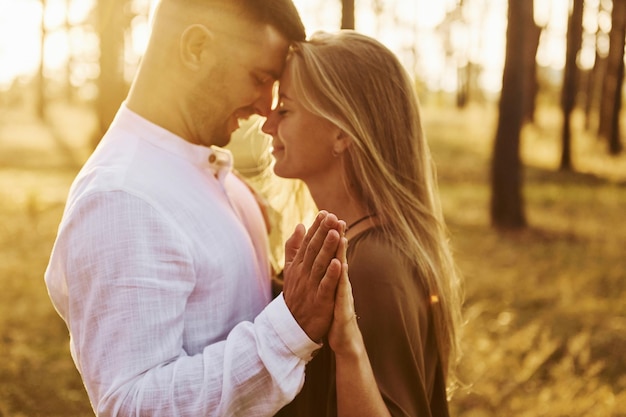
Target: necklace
[362, 219]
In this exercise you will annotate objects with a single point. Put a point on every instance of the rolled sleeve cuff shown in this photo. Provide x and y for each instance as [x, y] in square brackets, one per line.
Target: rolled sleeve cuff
[289, 331]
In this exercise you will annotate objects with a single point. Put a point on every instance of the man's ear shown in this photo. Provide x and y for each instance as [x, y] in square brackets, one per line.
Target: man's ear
[195, 43]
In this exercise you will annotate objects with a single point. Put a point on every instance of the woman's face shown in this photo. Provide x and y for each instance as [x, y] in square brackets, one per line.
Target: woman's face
[303, 142]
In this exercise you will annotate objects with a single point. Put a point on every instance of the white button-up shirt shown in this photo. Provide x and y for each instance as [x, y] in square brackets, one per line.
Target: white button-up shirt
[160, 271]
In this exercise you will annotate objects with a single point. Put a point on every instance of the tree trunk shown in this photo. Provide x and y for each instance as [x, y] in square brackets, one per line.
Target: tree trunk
[463, 85]
[533, 33]
[616, 67]
[595, 77]
[112, 23]
[69, 91]
[570, 73]
[611, 89]
[615, 144]
[41, 79]
[347, 14]
[506, 176]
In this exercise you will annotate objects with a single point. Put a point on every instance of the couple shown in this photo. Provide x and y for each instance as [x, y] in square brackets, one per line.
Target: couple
[161, 268]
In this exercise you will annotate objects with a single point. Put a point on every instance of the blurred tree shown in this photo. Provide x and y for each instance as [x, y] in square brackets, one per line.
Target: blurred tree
[507, 209]
[456, 23]
[457, 56]
[596, 75]
[611, 102]
[70, 57]
[461, 35]
[41, 79]
[531, 44]
[347, 14]
[464, 67]
[113, 21]
[570, 74]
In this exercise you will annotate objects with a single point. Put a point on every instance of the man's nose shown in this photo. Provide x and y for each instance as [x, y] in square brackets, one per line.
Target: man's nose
[263, 105]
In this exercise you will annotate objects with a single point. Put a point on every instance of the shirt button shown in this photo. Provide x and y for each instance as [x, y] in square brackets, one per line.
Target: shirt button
[212, 158]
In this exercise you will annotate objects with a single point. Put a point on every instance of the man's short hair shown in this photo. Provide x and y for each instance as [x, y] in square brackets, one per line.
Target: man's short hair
[281, 14]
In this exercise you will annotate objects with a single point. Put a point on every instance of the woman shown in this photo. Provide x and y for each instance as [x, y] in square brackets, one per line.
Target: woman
[347, 124]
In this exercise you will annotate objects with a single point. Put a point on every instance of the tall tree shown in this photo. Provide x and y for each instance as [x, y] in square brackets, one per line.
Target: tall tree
[70, 58]
[347, 14]
[610, 105]
[596, 74]
[531, 44]
[41, 79]
[113, 21]
[570, 74]
[507, 209]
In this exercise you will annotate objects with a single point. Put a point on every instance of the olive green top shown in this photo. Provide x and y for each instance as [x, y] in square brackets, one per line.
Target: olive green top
[393, 307]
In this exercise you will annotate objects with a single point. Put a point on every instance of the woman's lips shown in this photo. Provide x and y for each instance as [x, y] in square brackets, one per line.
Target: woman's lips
[277, 149]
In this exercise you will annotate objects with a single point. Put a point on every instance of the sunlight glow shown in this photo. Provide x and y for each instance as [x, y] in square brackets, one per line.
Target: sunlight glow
[17, 23]
[20, 36]
[554, 15]
[431, 38]
[140, 31]
[409, 28]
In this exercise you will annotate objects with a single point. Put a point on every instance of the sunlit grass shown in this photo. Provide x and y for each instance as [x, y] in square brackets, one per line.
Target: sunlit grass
[37, 377]
[36, 373]
[546, 320]
[545, 313]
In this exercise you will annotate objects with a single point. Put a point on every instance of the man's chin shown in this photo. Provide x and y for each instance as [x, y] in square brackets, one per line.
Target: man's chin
[223, 138]
[233, 126]
[221, 141]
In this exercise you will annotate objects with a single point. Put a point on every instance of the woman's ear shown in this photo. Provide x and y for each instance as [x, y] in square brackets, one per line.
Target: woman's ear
[342, 142]
[195, 43]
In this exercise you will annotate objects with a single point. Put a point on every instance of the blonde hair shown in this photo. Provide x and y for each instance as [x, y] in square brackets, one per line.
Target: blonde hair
[361, 86]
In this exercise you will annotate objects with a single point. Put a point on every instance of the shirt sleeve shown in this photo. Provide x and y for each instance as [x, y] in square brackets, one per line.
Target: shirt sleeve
[120, 275]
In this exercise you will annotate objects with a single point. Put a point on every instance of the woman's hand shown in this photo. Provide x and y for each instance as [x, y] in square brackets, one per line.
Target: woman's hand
[344, 336]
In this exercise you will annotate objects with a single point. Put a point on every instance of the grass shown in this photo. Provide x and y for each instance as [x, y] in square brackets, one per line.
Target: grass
[544, 306]
[546, 320]
[37, 376]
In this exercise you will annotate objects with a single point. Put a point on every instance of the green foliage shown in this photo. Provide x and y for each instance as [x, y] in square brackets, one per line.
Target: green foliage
[546, 321]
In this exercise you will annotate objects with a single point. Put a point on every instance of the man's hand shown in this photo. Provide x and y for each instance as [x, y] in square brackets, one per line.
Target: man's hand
[312, 272]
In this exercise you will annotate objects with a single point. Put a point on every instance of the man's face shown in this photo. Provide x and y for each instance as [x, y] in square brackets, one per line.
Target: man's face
[249, 61]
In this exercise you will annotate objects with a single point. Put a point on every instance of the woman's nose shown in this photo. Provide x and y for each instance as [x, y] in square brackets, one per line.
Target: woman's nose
[269, 126]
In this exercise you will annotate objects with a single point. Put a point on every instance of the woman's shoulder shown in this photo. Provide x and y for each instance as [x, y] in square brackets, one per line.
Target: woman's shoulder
[374, 257]
[377, 264]
[376, 248]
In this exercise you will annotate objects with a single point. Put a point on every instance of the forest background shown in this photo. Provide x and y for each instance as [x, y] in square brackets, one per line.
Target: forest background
[525, 119]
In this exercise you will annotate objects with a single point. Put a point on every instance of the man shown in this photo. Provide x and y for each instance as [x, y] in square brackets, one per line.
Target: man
[159, 267]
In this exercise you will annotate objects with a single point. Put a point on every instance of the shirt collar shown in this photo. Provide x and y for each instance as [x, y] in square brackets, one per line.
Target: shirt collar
[219, 161]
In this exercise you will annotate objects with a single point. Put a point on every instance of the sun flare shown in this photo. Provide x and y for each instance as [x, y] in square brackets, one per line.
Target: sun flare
[430, 38]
